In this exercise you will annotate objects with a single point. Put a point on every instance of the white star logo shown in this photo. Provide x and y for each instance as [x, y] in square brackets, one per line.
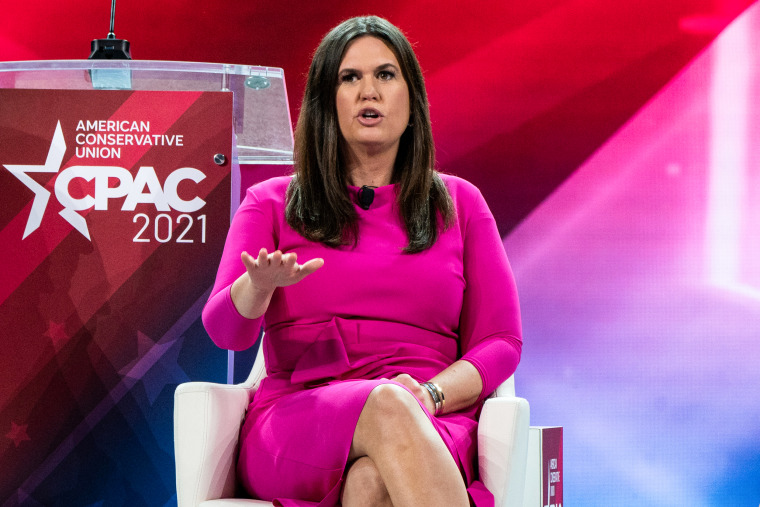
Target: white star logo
[41, 194]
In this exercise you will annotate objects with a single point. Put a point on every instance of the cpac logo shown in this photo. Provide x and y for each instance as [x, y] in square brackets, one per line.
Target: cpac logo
[163, 197]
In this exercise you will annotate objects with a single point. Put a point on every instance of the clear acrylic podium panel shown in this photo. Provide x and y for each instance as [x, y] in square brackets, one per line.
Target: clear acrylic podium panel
[261, 123]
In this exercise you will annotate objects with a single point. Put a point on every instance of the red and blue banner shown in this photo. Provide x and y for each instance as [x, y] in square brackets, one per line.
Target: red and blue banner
[115, 209]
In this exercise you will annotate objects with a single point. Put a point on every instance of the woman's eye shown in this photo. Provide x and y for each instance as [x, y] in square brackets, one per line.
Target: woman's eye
[385, 75]
[348, 78]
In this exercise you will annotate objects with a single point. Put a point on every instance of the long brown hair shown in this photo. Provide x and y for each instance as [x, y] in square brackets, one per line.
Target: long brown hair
[319, 206]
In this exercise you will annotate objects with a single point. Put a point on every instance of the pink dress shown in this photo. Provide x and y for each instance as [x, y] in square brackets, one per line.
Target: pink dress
[371, 312]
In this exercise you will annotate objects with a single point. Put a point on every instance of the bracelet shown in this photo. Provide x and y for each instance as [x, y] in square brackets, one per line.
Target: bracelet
[436, 394]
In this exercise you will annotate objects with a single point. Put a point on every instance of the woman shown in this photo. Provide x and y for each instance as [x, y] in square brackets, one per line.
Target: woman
[381, 347]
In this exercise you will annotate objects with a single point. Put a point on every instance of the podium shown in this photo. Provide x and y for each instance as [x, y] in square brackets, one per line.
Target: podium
[262, 127]
[118, 178]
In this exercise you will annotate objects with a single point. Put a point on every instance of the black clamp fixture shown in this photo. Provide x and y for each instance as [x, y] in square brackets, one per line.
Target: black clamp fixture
[110, 48]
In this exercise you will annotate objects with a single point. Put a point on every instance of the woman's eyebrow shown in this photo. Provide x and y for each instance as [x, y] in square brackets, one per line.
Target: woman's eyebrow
[382, 66]
[386, 66]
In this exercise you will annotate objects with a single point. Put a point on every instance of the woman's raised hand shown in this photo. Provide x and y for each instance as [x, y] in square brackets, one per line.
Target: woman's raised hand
[252, 291]
[271, 270]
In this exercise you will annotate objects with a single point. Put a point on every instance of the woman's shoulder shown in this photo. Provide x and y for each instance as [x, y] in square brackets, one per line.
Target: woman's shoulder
[273, 189]
[461, 190]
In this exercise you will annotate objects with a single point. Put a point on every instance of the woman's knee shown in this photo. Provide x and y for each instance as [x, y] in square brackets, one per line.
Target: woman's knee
[390, 416]
[364, 486]
[392, 402]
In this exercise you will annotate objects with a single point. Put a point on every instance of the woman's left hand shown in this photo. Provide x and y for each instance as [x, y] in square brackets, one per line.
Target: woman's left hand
[420, 392]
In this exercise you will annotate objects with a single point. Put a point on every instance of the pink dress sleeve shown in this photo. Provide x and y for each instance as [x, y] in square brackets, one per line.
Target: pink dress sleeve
[251, 230]
[490, 328]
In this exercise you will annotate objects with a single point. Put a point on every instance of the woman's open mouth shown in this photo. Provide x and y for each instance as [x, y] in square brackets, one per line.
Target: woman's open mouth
[369, 117]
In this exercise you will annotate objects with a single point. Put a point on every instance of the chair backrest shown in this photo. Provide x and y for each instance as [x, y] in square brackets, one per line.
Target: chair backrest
[506, 389]
[259, 370]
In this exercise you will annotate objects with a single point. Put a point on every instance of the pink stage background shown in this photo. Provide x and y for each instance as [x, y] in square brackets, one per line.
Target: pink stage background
[617, 144]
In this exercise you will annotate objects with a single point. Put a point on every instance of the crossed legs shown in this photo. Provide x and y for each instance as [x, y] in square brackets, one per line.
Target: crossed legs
[398, 457]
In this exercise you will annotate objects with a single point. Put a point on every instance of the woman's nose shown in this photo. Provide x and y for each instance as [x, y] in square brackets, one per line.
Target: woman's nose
[368, 90]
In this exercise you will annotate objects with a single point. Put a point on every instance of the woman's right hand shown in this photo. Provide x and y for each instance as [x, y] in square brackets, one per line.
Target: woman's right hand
[269, 271]
[252, 292]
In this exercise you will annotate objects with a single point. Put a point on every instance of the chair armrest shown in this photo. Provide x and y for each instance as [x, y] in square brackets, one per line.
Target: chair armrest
[503, 448]
[207, 420]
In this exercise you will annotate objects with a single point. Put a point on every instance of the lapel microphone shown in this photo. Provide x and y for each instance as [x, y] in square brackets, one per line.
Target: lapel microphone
[365, 196]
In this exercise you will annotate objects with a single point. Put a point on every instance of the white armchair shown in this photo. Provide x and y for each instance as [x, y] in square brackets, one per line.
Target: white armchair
[208, 416]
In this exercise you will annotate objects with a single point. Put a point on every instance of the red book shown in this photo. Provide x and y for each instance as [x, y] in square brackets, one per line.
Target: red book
[543, 480]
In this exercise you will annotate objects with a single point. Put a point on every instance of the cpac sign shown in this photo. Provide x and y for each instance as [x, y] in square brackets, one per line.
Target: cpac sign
[164, 197]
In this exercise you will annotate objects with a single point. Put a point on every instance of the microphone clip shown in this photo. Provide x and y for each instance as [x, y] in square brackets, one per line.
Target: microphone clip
[365, 196]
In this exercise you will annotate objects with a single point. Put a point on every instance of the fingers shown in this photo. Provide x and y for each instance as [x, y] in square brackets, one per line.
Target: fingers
[289, 260]
[311, 266]
[262, 258]
[248, 261]
[417, 390]
[275, 258]
[407, 381]
[279, 269]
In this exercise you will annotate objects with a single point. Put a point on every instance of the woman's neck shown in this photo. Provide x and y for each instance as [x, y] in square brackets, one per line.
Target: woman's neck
[372, 178]
[374, 170]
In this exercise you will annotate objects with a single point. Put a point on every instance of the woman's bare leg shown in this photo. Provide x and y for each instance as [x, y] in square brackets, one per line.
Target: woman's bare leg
[364, 487]
[411, 458]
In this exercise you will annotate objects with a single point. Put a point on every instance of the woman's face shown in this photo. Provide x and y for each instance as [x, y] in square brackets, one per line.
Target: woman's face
[372, 97]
